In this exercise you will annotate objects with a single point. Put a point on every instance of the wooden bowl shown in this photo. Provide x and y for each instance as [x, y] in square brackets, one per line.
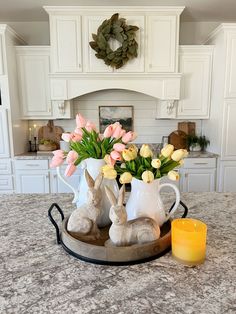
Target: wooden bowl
[102, 251]
[50, 147]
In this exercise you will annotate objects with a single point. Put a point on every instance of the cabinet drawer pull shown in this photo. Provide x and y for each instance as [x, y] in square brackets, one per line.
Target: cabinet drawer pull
[32, 165]
[200, 163]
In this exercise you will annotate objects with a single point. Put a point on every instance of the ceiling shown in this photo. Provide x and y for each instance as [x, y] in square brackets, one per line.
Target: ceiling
[196, 10]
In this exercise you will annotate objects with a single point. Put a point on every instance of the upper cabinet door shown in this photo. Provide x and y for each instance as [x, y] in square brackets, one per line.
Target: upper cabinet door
[228, 147]
[4, 137]
[136, 64]
[1, 56]
[230, 84]
[93, 64]
[90, 26]
[196, 67]
[162, 40]
[66, 43]
[33, 70]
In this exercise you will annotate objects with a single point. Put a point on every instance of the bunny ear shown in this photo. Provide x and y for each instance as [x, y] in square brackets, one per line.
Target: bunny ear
[121, 195]
[110, 195]
[89, 179]
[98, 181]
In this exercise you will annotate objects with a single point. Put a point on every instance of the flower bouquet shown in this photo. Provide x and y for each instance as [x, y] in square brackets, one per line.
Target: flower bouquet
[142, 164]
[86, 142]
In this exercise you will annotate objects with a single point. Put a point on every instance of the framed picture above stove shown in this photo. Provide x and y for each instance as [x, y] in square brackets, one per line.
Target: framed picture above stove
[112, 114]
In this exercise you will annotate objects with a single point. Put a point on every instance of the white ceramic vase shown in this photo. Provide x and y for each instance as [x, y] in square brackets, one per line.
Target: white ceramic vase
[80, 196]
[145, 201]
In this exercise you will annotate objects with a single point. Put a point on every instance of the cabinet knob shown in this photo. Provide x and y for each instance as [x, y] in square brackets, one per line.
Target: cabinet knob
[55, 176]
[186, 175]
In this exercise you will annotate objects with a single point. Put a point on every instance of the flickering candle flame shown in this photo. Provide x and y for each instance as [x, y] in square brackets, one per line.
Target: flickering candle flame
[188, 239]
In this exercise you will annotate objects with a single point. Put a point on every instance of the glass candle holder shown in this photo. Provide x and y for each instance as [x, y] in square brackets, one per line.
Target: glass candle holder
[188, 241]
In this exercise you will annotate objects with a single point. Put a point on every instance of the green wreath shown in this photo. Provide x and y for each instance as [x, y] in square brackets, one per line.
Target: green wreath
[115, 28]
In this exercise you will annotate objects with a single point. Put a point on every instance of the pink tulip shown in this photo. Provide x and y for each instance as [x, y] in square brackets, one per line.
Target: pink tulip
[78, 131]
[76, 137]
[80, 121]
[71, 157]
[111, 161]
[117, 132]
[108, 131]
[56, 162]
[70, 169]
[128, 137]
[119, 147]
[122, 133]
[66, 137]
[90, 126]
[58, 153]
[115, 155]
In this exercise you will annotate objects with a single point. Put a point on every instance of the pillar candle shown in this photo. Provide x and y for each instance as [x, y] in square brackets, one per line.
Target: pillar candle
[188, 240]
[35, 130]
[30, 134]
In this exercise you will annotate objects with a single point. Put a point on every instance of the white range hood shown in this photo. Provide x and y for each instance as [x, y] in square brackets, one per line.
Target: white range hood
[76, 71]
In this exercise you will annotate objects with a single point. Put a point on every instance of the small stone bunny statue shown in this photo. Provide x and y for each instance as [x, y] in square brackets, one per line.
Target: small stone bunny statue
[83, 220]
[124, 233]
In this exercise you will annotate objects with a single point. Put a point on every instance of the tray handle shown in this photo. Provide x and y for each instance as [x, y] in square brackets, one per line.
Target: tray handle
[184, 206]
[54, 222]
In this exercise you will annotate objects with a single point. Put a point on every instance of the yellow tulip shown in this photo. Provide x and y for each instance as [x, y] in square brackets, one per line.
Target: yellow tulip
[109, 172]
[145, 151]
[147, 176]
[156, 163]
[129, 154]
[181, 162]
[179, 154]
[126, 177]
[167, 150]
[132, 146]
[173, 175]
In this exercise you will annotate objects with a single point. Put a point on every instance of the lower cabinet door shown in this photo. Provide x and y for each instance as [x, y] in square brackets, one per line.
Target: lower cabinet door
[6, 184]
[198, 180]
[227, 175]
[57, 186]
[32, 181]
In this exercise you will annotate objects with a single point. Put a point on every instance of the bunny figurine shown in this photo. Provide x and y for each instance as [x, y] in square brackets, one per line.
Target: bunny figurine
[124, 233]
[83, 220]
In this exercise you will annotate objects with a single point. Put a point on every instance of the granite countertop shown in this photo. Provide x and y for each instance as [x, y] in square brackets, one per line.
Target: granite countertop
[38, 276]
[49, 155]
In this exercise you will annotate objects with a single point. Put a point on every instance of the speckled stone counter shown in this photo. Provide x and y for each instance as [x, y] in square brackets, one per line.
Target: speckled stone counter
[38, 276]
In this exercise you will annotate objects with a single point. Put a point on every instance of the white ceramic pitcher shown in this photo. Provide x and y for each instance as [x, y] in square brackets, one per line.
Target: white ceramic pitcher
[145, 201]
[80, 196]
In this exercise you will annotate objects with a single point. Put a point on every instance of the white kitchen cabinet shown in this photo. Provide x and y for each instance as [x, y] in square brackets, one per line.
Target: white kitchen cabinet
[198, 180]
[65, 39]
[34, 181]
[90, 26]
[136, 64]
[33, 69]
[162, 43]
[230, 77]
[33, 65]
[198, 175]
[2, 65]
[57, 186]
[4, 136]
[227, 175]
[32, 176]
[93, 64]
[195, 64]
[228, 147]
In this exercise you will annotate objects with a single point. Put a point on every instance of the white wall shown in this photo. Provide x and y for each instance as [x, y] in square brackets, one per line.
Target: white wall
[195, 33]
[148, 128]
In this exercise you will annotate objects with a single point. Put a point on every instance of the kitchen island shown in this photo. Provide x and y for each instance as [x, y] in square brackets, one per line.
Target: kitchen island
[38, 276]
